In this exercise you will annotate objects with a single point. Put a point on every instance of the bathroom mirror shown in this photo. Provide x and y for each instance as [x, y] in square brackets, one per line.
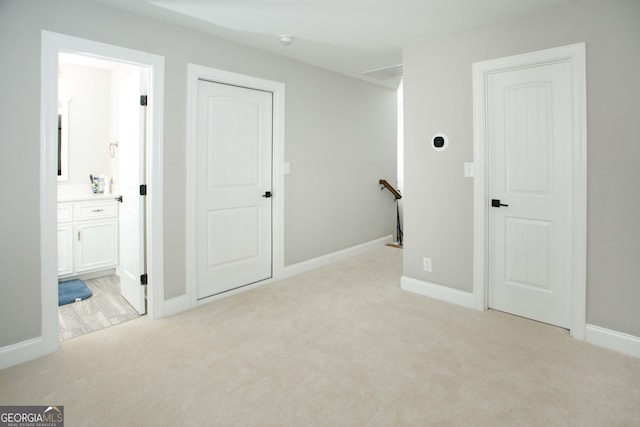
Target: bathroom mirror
[63, 139]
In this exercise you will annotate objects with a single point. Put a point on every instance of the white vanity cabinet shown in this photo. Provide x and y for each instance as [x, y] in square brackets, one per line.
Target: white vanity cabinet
[65, 239]
[87, 236]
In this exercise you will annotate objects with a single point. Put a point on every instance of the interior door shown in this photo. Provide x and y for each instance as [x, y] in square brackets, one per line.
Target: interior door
[530, 183]
[233, 194]
[131, 153]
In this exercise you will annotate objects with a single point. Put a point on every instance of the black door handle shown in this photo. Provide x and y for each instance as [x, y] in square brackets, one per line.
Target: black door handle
[267, 194]
[496, 203]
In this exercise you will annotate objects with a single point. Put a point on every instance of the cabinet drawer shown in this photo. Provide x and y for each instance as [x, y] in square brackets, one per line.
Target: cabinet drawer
[96, 210]
[65, 212]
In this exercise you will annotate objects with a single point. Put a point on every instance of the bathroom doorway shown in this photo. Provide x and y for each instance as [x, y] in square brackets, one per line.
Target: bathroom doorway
[150, 233]
[100, 168]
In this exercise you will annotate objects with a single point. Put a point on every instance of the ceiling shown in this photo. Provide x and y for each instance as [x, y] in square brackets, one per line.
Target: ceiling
[346, 36]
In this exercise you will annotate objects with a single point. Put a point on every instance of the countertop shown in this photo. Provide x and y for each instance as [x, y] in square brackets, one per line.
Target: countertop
[86, 197]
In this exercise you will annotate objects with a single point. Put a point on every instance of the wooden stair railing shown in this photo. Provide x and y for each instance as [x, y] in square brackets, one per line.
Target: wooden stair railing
[398, 196]
[385, 184]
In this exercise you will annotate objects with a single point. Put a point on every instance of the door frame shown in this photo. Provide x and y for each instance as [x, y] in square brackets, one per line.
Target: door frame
[575, 54]
[277, 89]
[52, 44]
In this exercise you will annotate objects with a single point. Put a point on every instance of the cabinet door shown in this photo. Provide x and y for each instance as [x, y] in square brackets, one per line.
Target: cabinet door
[65, 249]
[96, 245]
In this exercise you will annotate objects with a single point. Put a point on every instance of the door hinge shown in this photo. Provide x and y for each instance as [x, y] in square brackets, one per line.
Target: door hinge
[143, 189]
[143, 279]
[143, 100]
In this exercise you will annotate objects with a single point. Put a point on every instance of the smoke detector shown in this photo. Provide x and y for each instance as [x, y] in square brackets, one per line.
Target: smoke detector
[286, 39]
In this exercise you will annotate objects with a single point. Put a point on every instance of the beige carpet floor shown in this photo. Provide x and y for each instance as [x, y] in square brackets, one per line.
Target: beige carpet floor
[339, 346]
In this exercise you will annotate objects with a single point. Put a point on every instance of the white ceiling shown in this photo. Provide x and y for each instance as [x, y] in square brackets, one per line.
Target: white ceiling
[347, 36]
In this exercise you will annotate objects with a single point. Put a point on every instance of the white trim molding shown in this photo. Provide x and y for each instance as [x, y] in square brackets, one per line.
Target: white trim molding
[176, 305]
[21, 352]
[575, 54]
[52, 45]
[613, 340]
[321, 261]
[442, 293]
[198, 72]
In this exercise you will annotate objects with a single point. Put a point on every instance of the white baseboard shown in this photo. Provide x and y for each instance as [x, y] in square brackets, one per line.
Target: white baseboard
[321, 261]
[613, 340]
[174, 306]
[442, 293]
[21, 352]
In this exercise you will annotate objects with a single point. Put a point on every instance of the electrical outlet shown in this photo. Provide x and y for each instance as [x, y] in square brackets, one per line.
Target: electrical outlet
[426, 264]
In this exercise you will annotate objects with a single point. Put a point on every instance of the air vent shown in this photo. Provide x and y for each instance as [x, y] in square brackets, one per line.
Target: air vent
[385, 73]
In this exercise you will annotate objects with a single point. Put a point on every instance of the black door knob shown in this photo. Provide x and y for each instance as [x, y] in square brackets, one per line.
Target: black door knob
[496, 203]
[267, 194]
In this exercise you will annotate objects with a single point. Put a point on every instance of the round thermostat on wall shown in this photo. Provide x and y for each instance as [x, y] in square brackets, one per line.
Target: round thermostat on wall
[440, 142]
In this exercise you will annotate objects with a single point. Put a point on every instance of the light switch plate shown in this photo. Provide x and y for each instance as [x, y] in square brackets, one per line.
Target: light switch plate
[468, 169]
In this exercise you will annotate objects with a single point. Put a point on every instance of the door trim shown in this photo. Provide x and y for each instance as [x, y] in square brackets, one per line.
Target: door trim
[52, 44]
[575, 54]
[198, 72]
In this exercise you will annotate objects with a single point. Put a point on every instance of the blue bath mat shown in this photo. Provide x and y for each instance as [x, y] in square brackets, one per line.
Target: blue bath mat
[72, 291]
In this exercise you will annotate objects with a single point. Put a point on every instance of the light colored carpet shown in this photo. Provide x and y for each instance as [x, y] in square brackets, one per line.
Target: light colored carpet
[338, 346]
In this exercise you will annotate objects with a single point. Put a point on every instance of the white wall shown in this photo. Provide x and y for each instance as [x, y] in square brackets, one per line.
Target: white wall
[339, 136]
[89, 122]
[439, 201]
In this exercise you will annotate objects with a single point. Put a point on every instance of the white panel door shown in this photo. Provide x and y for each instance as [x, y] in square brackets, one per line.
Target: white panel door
[530, 169]
[131, 153]
[234, 144]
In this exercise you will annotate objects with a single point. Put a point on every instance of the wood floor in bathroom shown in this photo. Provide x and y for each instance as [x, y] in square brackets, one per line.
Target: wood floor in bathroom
[105, 308]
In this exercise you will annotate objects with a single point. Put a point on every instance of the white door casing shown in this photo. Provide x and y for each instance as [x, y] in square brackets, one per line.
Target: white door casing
[534, 250]
[233, 175]
[131, 159]
[52, 44]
